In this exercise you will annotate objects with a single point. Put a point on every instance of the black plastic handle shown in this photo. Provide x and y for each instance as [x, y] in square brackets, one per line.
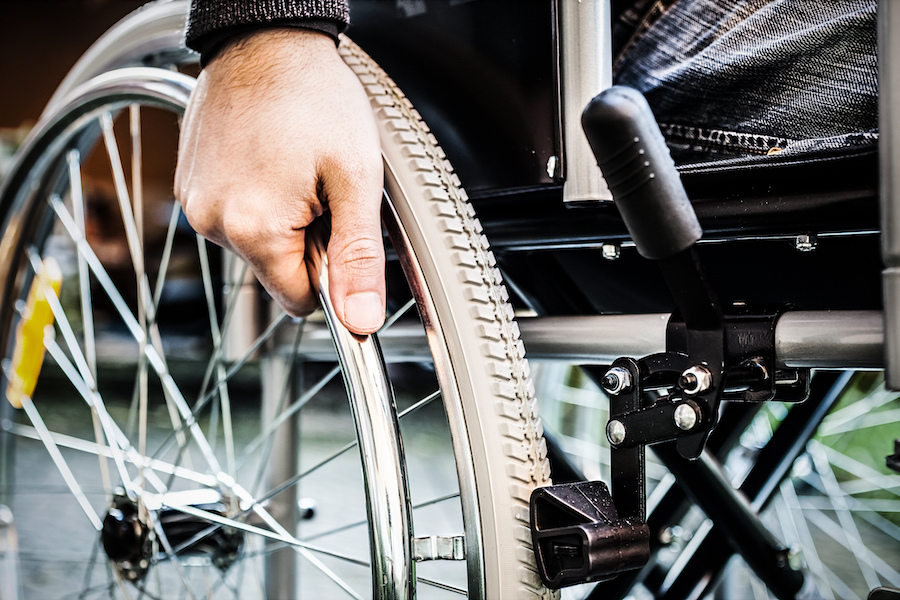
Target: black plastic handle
[641, 175]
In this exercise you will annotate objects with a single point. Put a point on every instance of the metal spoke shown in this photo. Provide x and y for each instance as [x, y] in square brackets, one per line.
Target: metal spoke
[60, 462]
[107, 587]
[190, 420]
[421, 403]
[275, 491]
[155, 359]
[396, 316]
[95, 403]
[145, 592]
[90, 393]
[834, 530]
[74, 443]
[247, 501]
[863, 510]
[837, 497]
[167, 253]
[867, 478]
[270, 429]
[442, 586]
[176, 563]
[846, 419]
[294, 480]
[87, 314]
[121, 584]
[800, 529]
[343, 528]
[137, 189]
[76, 194]
[224, 398]
[146, 307]
[873, 419]
[286, 387]
[218, 349]
[246, 527]
[132, 237]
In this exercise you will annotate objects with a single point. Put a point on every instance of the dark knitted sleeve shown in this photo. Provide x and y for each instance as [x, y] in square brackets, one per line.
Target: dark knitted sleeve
[210, 22]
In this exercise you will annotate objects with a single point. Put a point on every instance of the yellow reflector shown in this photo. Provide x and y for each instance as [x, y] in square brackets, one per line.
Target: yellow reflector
[28, 355]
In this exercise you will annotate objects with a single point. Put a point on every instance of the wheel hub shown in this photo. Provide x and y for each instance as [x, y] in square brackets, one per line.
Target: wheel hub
[126, 539]
[132, 544]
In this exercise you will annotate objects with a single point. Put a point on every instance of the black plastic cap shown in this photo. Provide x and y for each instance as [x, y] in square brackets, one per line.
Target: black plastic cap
[637, 166]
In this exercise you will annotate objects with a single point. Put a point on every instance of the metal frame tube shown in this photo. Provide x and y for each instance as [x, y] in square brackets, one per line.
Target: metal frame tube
[585, 66]
[889, 139]
[813, 339]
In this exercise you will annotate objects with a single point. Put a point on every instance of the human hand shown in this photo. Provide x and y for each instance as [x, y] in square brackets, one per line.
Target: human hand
[277, 131]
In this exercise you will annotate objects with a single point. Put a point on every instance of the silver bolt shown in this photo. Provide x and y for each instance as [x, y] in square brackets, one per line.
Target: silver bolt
[615, 432]
[685, 417]
[806, 243]
[674, 535]
[552, 164]
[695, 380]
[616, 381]
[610, 251]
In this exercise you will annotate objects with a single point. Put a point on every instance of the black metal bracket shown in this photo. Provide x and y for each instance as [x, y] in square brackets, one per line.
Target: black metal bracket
[751, 373]
[579, 536]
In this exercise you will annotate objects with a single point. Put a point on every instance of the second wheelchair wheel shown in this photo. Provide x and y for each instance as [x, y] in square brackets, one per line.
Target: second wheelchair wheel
[138, 467]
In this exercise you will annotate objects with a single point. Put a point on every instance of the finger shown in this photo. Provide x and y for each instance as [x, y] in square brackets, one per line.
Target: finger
[356, 258]
[278, 263]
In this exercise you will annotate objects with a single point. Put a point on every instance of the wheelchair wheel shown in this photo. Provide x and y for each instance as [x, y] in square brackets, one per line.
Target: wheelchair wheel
[135, 468]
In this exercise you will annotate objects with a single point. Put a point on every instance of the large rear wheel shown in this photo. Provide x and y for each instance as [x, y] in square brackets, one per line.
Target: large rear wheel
[139, 465]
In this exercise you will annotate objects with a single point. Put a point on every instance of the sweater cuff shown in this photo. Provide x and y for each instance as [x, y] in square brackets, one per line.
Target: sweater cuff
[212, 43]
[212, 22]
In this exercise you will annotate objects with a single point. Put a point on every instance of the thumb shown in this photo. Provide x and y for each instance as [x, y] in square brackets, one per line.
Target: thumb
[356, 265]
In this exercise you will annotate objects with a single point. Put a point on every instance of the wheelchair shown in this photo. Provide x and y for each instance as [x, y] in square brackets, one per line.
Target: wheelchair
[430, 467]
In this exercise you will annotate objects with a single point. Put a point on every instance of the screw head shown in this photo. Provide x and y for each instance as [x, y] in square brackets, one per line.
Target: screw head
[615, 432]
[695, 380]
[552, 165]
[806, 243]
[616, 381]
[685, 417]
[795, 559]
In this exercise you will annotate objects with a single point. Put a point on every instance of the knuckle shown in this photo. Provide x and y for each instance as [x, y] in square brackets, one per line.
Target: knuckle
[362, 257]
[299, 307]
[199, 214]
[239, 230]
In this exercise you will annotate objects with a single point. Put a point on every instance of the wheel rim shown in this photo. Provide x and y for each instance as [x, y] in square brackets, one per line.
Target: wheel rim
[75, 355]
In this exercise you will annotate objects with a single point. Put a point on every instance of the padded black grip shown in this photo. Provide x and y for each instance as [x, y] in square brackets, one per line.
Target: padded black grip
[639, 170]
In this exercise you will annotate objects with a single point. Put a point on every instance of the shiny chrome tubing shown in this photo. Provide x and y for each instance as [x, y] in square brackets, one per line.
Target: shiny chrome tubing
[153, 32]
[889, 152]
[815, 339]
[830, 339]
[585, 70]
[377, 427]
[596, 339]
